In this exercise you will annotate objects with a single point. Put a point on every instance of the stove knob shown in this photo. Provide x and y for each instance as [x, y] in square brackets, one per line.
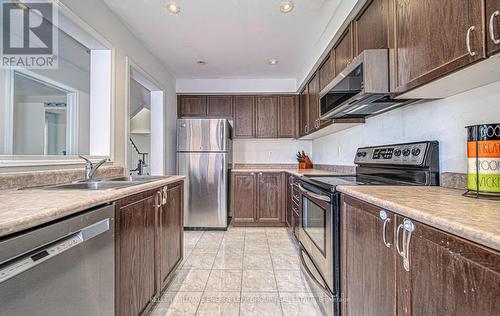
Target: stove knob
[415, 151]
[364, 153]
[397, 152]
[406, 152]
[361, 154]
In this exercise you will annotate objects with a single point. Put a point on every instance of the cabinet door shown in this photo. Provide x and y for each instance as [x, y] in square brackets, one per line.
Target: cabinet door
[430, 39]
[343, 53]
[447, 275]
[370, 26]
[493, 20]
[313, 99]
[135, 248]
[267, 116]
[288, 116]
[367, 263]
[244, 116]
[220, 105]
[244, 197]
[270, 206]
[192, 105]
[304, 112]
[171, 231]
[326, 72]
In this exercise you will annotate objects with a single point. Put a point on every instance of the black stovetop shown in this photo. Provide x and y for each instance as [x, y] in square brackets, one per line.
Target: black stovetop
[330, 182]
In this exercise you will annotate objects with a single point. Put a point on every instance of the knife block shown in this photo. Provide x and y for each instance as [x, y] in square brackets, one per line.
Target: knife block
[304, 165]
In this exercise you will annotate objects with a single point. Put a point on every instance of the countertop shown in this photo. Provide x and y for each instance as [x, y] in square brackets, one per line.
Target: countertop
[476, 220]
[295, 172]
[24, 209]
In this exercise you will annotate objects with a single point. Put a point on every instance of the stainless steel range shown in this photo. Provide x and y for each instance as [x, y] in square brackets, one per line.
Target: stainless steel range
[319, 232]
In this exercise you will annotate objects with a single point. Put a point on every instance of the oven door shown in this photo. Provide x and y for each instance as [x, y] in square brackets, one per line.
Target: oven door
[316, 229]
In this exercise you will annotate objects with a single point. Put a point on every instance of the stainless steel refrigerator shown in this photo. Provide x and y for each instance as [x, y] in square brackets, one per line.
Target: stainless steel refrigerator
[204, 156]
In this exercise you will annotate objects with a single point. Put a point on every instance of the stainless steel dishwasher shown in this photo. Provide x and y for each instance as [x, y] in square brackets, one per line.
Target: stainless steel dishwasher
[64, 268]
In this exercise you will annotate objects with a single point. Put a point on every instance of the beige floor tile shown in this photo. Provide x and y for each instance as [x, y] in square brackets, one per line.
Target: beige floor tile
[299, 304]
[200, 260]
[254, 247]
[291, 281]
[177, 304]
[219, 304]
[285, 261]
[228, 260]
[258, 281]
[257, 261]
[282, 247]
[224, 281]
[187, 280]
[260, 304]
[208, 244]
[232, 247]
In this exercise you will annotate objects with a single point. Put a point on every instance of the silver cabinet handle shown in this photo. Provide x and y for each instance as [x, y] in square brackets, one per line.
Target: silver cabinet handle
[314, 195]
[260, 173]
[252, 173]
[467, 41]
[401, 253]
[159, 199]
[386, 219]
[492, 27]
[164, 196]
[408, 229]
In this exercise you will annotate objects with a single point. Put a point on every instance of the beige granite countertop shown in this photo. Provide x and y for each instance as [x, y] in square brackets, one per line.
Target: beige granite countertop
[446, 209]
[295, 172]
[24, 209]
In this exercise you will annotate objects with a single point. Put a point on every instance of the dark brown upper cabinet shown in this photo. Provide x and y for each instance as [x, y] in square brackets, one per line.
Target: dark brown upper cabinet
[446, 275]
[267, 116]
[304, 112]
[434, 38]
[313, 100]
[220, 105]
[493, 21]
[287, 116]
[343, 52]
[370, 26]
[192, 105]
[367, 260]
[326, 71]
[244, 116]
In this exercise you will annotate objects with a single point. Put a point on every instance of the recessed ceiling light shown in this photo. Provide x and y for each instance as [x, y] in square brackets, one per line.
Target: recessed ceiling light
[273, 61]
[201, 62]
[286, 6]
[173, 7]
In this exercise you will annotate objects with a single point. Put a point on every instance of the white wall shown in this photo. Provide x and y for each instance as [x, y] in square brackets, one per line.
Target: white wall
[269, 150]
[443, 120]
[101, 18]
[236, 85]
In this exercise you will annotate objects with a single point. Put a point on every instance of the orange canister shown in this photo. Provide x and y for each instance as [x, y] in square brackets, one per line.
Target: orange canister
[483, 155]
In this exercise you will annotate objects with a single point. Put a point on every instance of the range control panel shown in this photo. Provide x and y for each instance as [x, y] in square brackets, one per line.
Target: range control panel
[400, 154]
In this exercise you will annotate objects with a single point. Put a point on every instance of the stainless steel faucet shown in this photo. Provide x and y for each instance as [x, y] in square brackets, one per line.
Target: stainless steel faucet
[91, 168]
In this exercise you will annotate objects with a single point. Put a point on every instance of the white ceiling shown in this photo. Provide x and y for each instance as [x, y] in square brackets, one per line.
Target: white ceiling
[235, 37]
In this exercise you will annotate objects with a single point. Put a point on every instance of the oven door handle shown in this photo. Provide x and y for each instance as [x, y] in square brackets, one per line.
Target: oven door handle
[314, 195]
[311, 276]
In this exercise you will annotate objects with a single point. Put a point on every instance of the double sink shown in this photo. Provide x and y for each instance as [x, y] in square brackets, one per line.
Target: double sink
[106, 183]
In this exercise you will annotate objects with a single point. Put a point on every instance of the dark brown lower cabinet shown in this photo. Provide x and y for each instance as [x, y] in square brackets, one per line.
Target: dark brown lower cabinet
[148, 246]
[258, 199]
[420, 271]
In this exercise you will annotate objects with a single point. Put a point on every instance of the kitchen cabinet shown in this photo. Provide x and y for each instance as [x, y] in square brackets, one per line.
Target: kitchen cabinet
[493, 22]
[410, 268]
[370, 26]
[244, 117]
[192, 105]
[326, 71]
[313, 101]
[367, 260]
[171, 231]
[434, 38]
[266, 116]
[292, 203]
[446, 275]
[220, 106]
[135, 246]
[343, 53]
[304, 112]
[148, 246]
[287, 116]
[258, 199]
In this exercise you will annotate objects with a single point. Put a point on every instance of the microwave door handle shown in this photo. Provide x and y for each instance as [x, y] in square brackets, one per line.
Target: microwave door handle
[314, 195]
[306, 268]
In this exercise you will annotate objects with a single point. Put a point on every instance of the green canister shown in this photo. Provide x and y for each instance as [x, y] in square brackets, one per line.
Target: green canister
[483, 155]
